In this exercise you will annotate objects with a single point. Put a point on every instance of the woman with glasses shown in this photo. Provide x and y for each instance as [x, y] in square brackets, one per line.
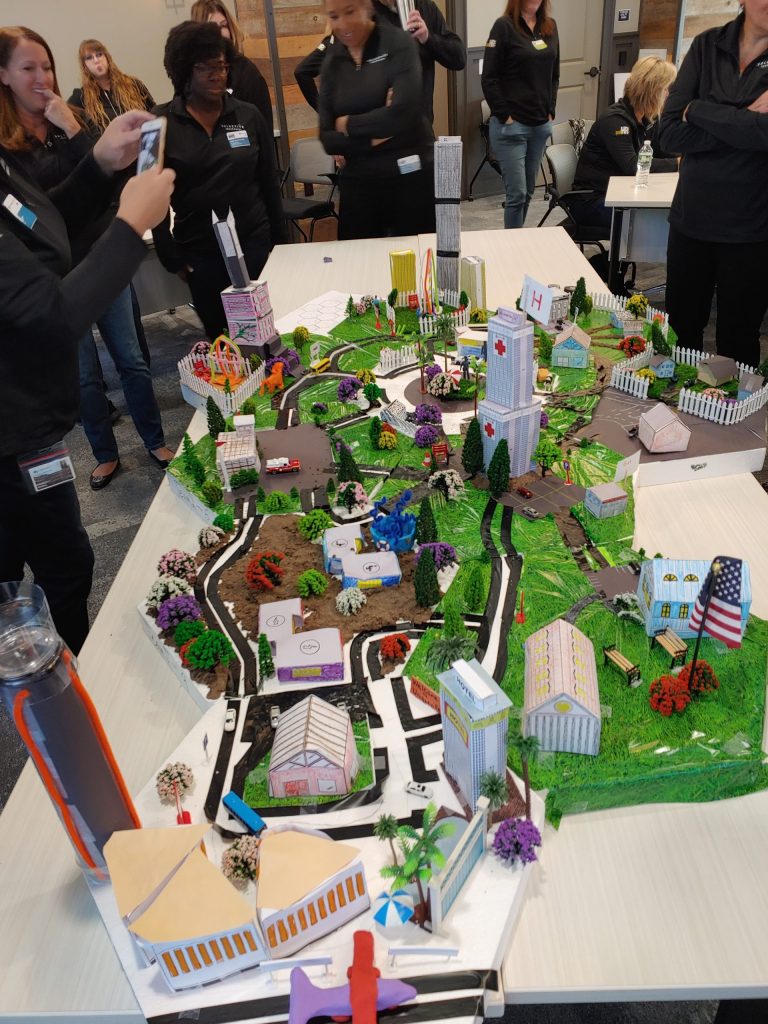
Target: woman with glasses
[245, 80]
[222, 152]
[105, 91]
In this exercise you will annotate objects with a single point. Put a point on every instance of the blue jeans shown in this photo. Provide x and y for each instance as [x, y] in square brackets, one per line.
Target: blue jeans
[519, 149]
[118, 332]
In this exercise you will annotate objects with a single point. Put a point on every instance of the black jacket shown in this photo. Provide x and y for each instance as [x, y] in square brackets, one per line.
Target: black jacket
[612, 147]
[249, 85]
[216, 173]
[722, 195]
[390, 61]
[111, 107]
[521, 72]
[307, 71]
[42, 316]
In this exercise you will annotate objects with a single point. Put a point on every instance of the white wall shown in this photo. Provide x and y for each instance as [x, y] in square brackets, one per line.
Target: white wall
[133, 30]
[481, 14]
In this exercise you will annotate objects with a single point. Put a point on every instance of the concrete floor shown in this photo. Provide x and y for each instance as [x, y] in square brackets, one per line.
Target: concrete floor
[112, 517]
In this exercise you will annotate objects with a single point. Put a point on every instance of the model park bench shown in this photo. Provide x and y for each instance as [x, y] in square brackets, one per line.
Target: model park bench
[673, 644]
[613, 655]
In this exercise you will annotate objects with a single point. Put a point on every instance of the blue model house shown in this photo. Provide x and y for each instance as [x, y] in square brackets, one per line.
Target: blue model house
[663, 366]
[370, 571]
[571, 347]
[667, 590]
[338, 541]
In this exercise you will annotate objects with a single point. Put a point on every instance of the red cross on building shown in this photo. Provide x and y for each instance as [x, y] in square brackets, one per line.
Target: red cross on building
[489, 429]
[500, 347]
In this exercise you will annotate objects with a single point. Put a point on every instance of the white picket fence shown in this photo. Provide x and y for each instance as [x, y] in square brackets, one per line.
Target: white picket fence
[203, 389]
[718, 411]
[394, 358]
[630, 383]
[606, 301]
[427, 324]
[693, 357]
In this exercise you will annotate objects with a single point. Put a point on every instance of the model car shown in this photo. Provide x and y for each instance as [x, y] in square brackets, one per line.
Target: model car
[634, 568]
[633, 431]
[274, 716]
[530, 513]
[230, 720]
[524, 492]
[419, 789]
[283, 465]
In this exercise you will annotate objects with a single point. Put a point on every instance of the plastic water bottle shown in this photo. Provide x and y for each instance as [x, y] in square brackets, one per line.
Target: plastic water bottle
[644, 161]
[55, 718]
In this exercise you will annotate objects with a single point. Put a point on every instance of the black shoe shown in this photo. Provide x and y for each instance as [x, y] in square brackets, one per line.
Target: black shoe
[162, 463]
[101, 481]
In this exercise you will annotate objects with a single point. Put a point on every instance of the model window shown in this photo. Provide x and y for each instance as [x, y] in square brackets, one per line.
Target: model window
[683, 611]
[691, 578]
[666, 610]
[670, 577]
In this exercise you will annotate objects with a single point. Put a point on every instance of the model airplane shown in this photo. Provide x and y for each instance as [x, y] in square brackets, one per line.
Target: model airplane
[361, 999]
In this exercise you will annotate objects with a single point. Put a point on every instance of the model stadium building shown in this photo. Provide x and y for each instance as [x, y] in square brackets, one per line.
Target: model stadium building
[448, 150]
[508, 410]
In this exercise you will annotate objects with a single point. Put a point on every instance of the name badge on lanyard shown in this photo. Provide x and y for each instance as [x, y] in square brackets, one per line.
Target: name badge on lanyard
[22, 213]
[539, 44]
[238, 138]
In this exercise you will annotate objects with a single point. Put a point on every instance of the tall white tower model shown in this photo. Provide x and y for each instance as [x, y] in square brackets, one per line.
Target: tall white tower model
[508, 410]
[448, 153]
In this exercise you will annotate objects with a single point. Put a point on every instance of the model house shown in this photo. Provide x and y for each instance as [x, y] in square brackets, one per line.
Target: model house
[717, 370]
[474, 712]
[749, 384]
[509, 410]
[370, 571]
[571, 347]
[338, 541]
[186, 917]
[309, 886]
[562, 699]
[402, 269]
[448, 154]
[667, 590]
[280, 619]
[605, 500]
[629, 325]
[561, 305]
[313, 656]
[661, 430]
[473, 280]
[314, 752]
[236, 449]
[663, 366]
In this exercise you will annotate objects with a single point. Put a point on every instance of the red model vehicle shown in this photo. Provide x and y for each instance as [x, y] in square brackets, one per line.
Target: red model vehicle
[524, 492]
[283, 465]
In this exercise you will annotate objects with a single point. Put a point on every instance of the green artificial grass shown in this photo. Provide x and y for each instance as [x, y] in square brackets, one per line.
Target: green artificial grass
[593, 464]
[205, 449]
[614, 530]
[570, 379]
[325, 390]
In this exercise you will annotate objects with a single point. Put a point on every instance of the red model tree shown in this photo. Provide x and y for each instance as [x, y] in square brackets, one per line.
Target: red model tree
[704, 678]
[668, 694]
[632, 346]
[395, 647]
[264, 571]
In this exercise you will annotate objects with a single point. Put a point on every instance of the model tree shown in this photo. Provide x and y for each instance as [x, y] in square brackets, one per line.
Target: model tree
[393, 647]
[421, 856]
[266, 665]
[330, 488]
[349, 310]
[348, 468]
[493, 786]
[463, 300]
[300, 336]
[386, 830]
[192, 462]
[445, 334]
[527, 748]
[453, 622]
[478, 367]
[660, 344]
[546, 455]
[637, 306]
[311, 583]
[472, 452]
[374, 431]
[498, 469]
[264, 571]
[426, 527]
[425, 585]
[445, 650]
[474, 591]
[216, 423]
[392, 298]
[313, 525]
[545, 349]
[210, 649]
[577, 298]
[211, 492]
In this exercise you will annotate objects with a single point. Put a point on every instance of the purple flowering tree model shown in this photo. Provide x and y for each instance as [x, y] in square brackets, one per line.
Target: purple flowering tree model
[348, 388]
[426, 436]
[516, 839]
[431, 371]
[175, 610]
[444, 554]
[425, 413]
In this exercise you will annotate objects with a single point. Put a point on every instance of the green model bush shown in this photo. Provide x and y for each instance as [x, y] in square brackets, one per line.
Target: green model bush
[211, 492]
[188, 631]
[311, 583]
[210, 649]
[277, 501]
[243, 478]
[313, 525]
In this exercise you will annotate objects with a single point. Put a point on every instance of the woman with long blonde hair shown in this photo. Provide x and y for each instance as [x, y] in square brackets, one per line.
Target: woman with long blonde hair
[106, 91]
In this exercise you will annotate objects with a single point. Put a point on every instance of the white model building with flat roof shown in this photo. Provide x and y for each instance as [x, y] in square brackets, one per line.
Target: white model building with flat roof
[473, 281]
[448, 153]
[475, 719]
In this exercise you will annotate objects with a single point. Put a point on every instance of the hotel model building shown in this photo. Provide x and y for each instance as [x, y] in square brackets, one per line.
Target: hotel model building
[448, 151]
[509, 410]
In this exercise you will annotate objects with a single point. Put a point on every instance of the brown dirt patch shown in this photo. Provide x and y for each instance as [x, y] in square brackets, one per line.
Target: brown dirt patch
[280, 533]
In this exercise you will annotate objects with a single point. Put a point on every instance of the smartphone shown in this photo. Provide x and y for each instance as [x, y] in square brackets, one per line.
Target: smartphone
[151, 145]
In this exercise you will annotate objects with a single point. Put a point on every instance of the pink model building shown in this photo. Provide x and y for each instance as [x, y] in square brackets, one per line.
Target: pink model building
[661, 430]
[314, 753]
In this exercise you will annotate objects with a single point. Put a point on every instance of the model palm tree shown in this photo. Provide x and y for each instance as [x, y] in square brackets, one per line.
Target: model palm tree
[478, 368]
[386, 828]
[421, 854]
[527, 748]
[445, 332]
[425, 359]
[493, 786]
[447, 649]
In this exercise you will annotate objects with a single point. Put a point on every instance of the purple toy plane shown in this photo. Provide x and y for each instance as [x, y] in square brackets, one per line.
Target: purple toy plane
[308, 1000]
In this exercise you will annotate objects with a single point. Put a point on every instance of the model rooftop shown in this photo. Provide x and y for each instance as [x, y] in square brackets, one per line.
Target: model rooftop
[311, 726]
[470, 680]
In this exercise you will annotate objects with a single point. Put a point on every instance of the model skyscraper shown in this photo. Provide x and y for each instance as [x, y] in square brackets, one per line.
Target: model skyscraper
[448, 151]
[402, 269]
[508, 409]
[473, 280]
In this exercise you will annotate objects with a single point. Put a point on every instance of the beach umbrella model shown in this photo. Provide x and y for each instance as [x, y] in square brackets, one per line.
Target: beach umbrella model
[392, 909]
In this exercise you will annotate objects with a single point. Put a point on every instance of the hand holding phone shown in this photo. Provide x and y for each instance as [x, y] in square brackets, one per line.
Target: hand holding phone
[151, 145]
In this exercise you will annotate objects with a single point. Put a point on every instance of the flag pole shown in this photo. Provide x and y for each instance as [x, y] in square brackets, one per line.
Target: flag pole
[713, 574]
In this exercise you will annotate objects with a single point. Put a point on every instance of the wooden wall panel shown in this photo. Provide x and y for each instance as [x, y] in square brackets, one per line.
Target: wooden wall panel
[658, 19]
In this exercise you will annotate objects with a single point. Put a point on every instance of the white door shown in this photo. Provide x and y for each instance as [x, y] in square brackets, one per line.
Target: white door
[580, 28]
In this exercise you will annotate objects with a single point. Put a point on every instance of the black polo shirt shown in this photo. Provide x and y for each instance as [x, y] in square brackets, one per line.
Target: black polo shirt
[521, 72]
[233, 168]
[722, 195]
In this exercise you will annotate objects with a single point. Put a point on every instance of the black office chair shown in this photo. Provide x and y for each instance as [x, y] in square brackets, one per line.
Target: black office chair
[309, 165]
[488, 157]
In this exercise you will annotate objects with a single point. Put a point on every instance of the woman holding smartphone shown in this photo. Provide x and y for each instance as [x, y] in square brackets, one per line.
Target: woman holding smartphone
[223, 155]
[49, 141]
[521, 75]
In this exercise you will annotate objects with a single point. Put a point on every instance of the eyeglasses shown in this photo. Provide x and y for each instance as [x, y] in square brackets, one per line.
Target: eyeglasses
[211, 70]
[96, 55]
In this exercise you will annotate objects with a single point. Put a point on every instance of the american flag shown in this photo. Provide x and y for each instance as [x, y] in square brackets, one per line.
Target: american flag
[722, 619]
